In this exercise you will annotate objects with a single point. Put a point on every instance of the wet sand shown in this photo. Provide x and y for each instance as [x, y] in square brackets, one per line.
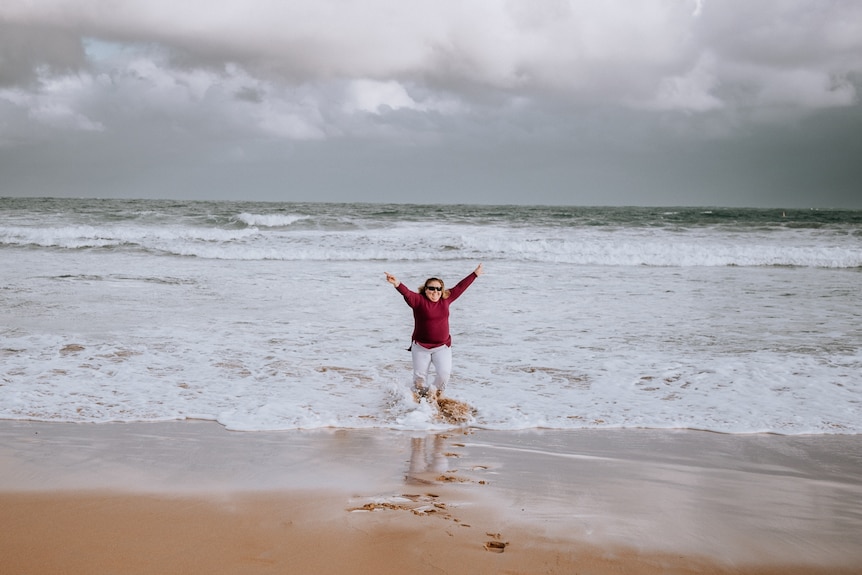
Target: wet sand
[191, 497]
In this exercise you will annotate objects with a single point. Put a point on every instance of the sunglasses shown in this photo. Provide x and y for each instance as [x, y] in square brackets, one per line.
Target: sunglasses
[434, 288]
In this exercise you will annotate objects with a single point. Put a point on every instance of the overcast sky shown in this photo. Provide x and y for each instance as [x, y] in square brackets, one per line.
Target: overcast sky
[580, 102]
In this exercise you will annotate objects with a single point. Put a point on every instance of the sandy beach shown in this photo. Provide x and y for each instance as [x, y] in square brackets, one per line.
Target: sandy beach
[191, 497]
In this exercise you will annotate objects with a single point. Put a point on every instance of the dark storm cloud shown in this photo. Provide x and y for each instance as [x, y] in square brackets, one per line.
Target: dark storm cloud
[26, 48]
[661, 101]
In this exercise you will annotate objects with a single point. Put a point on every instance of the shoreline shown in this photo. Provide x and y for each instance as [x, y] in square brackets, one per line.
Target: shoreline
[193, 497]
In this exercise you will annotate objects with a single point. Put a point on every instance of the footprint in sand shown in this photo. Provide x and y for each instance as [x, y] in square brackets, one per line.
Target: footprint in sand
[495, 545]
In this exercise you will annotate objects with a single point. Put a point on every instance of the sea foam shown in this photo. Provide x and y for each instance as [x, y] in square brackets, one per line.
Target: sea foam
[180, 313]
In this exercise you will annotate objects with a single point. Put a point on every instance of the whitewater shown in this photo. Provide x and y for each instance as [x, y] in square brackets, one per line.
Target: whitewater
[269, 316]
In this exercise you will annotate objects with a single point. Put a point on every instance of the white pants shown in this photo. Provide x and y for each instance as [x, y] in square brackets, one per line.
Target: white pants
[423, 358]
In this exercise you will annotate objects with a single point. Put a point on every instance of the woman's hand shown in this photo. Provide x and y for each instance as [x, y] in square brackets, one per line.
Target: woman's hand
[478, 271]
[392, 279]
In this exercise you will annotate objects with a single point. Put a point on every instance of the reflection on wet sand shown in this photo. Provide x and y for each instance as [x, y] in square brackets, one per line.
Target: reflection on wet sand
[427, 460]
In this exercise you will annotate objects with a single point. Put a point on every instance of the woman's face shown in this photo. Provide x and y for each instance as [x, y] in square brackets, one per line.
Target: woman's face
[434, 290]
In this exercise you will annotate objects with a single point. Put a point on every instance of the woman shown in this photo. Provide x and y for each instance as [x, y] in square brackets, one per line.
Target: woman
[431, 341]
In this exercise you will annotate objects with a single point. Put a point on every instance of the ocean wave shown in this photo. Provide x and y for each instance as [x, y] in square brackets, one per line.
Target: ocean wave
[77, 237]
[685, 331]
[413, 241]
[668, 255]
[270, 220]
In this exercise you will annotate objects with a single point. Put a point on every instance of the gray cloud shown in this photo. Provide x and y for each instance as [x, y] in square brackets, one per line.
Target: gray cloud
[25, 49]
[659, 101]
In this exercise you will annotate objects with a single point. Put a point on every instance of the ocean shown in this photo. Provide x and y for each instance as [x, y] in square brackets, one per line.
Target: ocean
[276, 316]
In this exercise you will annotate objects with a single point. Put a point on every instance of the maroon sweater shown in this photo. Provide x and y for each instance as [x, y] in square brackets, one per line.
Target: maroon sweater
[431, 319]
